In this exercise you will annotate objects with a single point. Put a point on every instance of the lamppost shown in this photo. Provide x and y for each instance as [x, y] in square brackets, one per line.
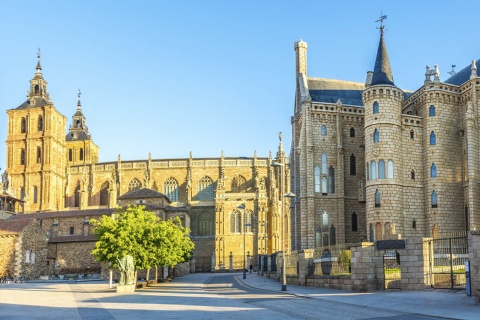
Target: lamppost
[288, 195]
[243, 207]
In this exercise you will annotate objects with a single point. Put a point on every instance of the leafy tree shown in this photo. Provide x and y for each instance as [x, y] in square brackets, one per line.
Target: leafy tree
[150, 240]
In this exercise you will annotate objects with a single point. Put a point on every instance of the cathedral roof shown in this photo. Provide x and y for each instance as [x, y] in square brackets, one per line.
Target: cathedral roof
[462, 76]
[330, 90]
[38, 103]
[382, 73]
[142, 193]
[74, 135]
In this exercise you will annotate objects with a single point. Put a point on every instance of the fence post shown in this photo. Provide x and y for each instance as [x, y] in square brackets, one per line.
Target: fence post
[230, 267]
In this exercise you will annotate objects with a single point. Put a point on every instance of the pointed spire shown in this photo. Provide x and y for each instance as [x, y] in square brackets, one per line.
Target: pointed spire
[79, 104]
[382, 73]
[39, 67]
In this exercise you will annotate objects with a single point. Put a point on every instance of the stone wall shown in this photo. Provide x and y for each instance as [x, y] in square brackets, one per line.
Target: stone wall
[7, 258]
[474, 256]
[72, 258]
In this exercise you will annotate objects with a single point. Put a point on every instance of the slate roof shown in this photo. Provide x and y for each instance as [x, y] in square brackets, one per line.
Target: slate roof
[73, 238]
[81, 135]
[13, 226]
[382, 73]
[143, 193]
[462, 76]
[63, 214]
[330, 90]
[38, 103]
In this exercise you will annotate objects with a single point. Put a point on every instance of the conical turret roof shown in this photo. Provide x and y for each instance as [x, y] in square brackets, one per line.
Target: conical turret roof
[382, 73]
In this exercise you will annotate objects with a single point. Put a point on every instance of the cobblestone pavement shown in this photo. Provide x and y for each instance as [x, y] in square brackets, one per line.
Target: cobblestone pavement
[218, 296]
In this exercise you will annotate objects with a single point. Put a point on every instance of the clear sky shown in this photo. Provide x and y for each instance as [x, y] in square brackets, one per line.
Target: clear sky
[169, 77]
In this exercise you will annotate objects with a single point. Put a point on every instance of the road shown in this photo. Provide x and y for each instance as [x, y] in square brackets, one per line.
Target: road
[199, 296]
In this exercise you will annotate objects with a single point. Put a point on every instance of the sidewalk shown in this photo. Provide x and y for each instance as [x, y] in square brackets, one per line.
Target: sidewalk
[438, 303]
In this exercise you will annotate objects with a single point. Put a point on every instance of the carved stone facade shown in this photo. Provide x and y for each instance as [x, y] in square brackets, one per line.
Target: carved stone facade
[369, 158]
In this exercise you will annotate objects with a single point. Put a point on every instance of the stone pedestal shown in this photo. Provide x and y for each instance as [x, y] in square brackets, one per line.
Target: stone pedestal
[395, 236]
[126, 288]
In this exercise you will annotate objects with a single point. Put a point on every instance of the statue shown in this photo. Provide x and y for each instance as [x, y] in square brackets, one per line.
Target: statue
[127, 270]
[392, 228]
[5, 181]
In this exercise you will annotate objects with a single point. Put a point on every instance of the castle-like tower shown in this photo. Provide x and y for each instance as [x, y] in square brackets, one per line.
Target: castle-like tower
[36, 148]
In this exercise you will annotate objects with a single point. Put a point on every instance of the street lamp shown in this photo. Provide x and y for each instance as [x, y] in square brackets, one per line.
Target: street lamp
[243, 207]
[288, 195]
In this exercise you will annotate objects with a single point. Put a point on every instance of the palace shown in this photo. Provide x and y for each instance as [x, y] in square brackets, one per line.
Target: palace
[370, 161]
[232, 205]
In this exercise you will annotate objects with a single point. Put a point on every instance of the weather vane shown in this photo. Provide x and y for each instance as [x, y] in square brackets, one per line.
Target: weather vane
[38, 53]
[382, 17]
[451, 73]
[79, 93]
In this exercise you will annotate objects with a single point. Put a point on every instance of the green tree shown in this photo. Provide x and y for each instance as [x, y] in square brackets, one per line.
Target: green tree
[139, 233]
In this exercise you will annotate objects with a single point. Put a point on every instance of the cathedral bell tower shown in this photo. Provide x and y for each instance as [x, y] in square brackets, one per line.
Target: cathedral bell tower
[383, 133]
[36, 149]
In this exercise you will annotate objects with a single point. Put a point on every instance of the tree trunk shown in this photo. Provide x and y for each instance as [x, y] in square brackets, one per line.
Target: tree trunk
[147, 277]
[135, 280]
[156, 274]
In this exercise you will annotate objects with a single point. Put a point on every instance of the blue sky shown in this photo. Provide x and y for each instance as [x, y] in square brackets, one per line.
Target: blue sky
[169, 77]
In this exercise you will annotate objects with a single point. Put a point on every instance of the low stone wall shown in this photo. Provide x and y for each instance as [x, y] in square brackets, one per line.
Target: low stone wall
[474, 256]
[330, 282]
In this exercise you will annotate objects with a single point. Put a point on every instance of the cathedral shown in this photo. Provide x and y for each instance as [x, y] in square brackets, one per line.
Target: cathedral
[371, 161]
[231, 204]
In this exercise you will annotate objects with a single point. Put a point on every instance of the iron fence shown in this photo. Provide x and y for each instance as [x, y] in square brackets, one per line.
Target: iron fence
[331, 260]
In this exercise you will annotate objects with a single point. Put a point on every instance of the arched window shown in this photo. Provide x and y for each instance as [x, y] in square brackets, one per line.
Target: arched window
[248, 221]
[412, 134]
[235, 222]
[39, 155]
[381, 169]
[36, 89]
[40, 123]
[354, 221]
[352, 132]
[377, 198]
[134, 184]
[375, 107]
[70, 155]
[23, 125]
[323, 130]
[373, 170]
[239, 184]
[22, 156]
[35, 194]
[76, 197]
[390, 169]
[353, 165]
[22, 193]
[325, 221]
[316, 174]
[431, 111]
[433, 138]
[104, 194]
[434, 199]
[324, 185]
[206, 190]
[324, 163]
[433, 171]
[412, 174]
[331, 177]
[376, 136]
[170, 188]
[81, 154]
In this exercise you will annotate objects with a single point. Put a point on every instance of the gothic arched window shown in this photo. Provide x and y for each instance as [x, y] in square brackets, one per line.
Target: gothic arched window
[235, 222]
[239, 184]
[170, 188]
[373, 170]
[316, 174]
[331, 177]
[381, 169]
[433, 138]
[39, 155]
[76, 197]
[431, 111]
[40, 123]
[412, 174]
[375, 107]
[354, 221]
[376, 136]
[433, 171]
[377, 198]
[104, 194]
[206, 190]
[434, 199]
[352, 132]
[248, 221]
[323, 130]
[324, 163]
[353, 165]
[135, 184]
[390, 169]
[324, 185]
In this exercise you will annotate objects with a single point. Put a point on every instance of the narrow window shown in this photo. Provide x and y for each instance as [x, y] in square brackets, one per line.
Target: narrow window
[412, 175]
[239, 222]
[323, 130]
[377, 198]
[324, 185]
[24, 125]
[81, 154]
[104, 194]
[433, 171]
[39, 155]
[375, 107]
[232, 223]
[433, 138]
[316, 173]
[434, 199]
[40, 123]
[22, 193]
[248, 222]
[376, 136]
[70, 155]
[354, 221]
[22, 156]
[352, 132]
[36, 89]
[331, 177]
[412, 134]
[72, 230]
[324, 163]
[35, 194]
[76, 197]
[431, 111]
[325, 221]
[373, 170]
[353, 165]
[390, 169]
[381, 169]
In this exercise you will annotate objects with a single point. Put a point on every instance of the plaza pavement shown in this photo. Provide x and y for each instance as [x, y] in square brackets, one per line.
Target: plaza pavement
[450, 304]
